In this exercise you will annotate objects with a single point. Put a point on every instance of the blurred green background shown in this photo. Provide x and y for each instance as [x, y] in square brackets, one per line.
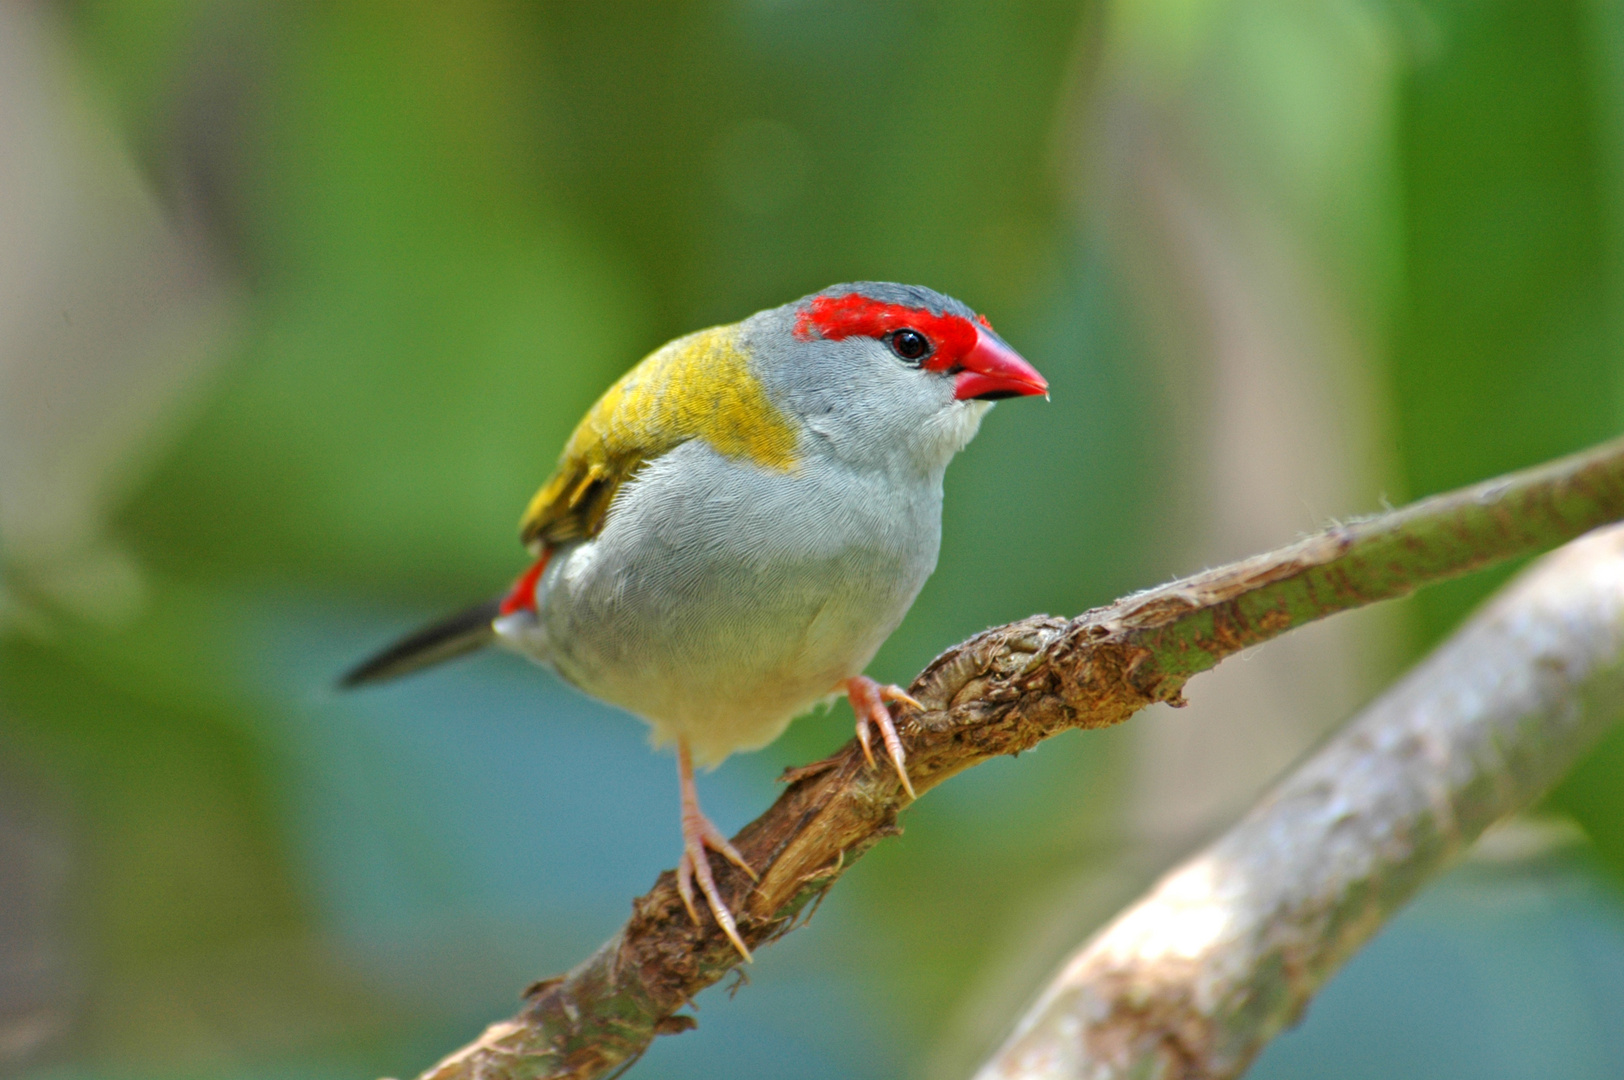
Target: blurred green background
[298, 303]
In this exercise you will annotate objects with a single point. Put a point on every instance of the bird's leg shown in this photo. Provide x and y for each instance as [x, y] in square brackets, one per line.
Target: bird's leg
[868, 700]
[697, 834]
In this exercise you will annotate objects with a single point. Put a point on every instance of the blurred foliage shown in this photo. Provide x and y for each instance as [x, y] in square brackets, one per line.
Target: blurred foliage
[1509, 309]
[458, 223]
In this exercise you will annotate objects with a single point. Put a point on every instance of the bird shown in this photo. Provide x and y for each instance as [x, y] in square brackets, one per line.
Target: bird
[739, 523]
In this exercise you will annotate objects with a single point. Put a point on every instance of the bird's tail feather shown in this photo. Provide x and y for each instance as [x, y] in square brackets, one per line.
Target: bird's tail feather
[444, 640]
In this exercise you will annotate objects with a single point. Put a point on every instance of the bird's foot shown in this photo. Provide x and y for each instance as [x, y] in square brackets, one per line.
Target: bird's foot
[699, 833]
[868, 700]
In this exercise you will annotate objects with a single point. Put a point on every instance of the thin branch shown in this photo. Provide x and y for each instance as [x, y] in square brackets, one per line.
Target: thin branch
[1002, 692]
[1193, 980]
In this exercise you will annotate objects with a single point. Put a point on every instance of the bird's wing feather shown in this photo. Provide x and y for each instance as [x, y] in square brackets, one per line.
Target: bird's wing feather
[697, 387]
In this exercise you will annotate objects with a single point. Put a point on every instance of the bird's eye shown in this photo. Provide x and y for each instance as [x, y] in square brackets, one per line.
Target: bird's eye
[911, 345]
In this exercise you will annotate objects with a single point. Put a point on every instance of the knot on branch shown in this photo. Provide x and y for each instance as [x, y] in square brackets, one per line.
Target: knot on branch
[954, 686]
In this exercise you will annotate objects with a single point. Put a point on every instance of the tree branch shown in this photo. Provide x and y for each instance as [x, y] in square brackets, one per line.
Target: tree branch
[1193, 980]
[1002, 692]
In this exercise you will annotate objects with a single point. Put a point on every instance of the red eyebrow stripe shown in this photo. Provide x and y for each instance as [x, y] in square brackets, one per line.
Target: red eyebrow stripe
[855, 315]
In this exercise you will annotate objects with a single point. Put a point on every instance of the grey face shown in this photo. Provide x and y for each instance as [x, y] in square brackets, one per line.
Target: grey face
[871, 397]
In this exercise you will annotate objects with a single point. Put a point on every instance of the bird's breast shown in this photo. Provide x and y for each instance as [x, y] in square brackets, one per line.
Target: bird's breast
[721, 599]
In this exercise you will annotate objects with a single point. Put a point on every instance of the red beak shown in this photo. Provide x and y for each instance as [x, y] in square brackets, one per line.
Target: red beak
[993, 370]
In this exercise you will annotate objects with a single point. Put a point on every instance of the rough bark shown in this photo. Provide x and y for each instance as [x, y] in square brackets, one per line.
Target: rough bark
[1002, 692]
[1193, 980]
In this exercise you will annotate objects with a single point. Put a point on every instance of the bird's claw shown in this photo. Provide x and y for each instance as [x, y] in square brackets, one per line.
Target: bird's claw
[868, 700]
[890, 692]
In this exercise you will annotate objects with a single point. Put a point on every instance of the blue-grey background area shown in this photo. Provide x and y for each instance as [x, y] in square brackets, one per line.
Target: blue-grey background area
[299, 302]
[1498, 971]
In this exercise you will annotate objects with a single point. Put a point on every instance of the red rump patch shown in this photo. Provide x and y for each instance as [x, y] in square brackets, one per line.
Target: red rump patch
[855, 315]
[522, 597]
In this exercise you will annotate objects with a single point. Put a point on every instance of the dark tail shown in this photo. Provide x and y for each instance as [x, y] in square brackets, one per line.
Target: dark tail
[450, 637]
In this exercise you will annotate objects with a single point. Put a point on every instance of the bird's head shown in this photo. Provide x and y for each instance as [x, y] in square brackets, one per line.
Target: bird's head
[884, 371]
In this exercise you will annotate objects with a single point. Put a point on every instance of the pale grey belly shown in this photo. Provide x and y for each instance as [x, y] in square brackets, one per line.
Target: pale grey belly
[721, 599]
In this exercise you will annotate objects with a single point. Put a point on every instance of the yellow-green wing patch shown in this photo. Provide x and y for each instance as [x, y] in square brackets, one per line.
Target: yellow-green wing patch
[697, 387]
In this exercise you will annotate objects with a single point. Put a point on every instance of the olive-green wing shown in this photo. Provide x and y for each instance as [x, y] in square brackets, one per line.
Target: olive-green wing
[697, 387]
